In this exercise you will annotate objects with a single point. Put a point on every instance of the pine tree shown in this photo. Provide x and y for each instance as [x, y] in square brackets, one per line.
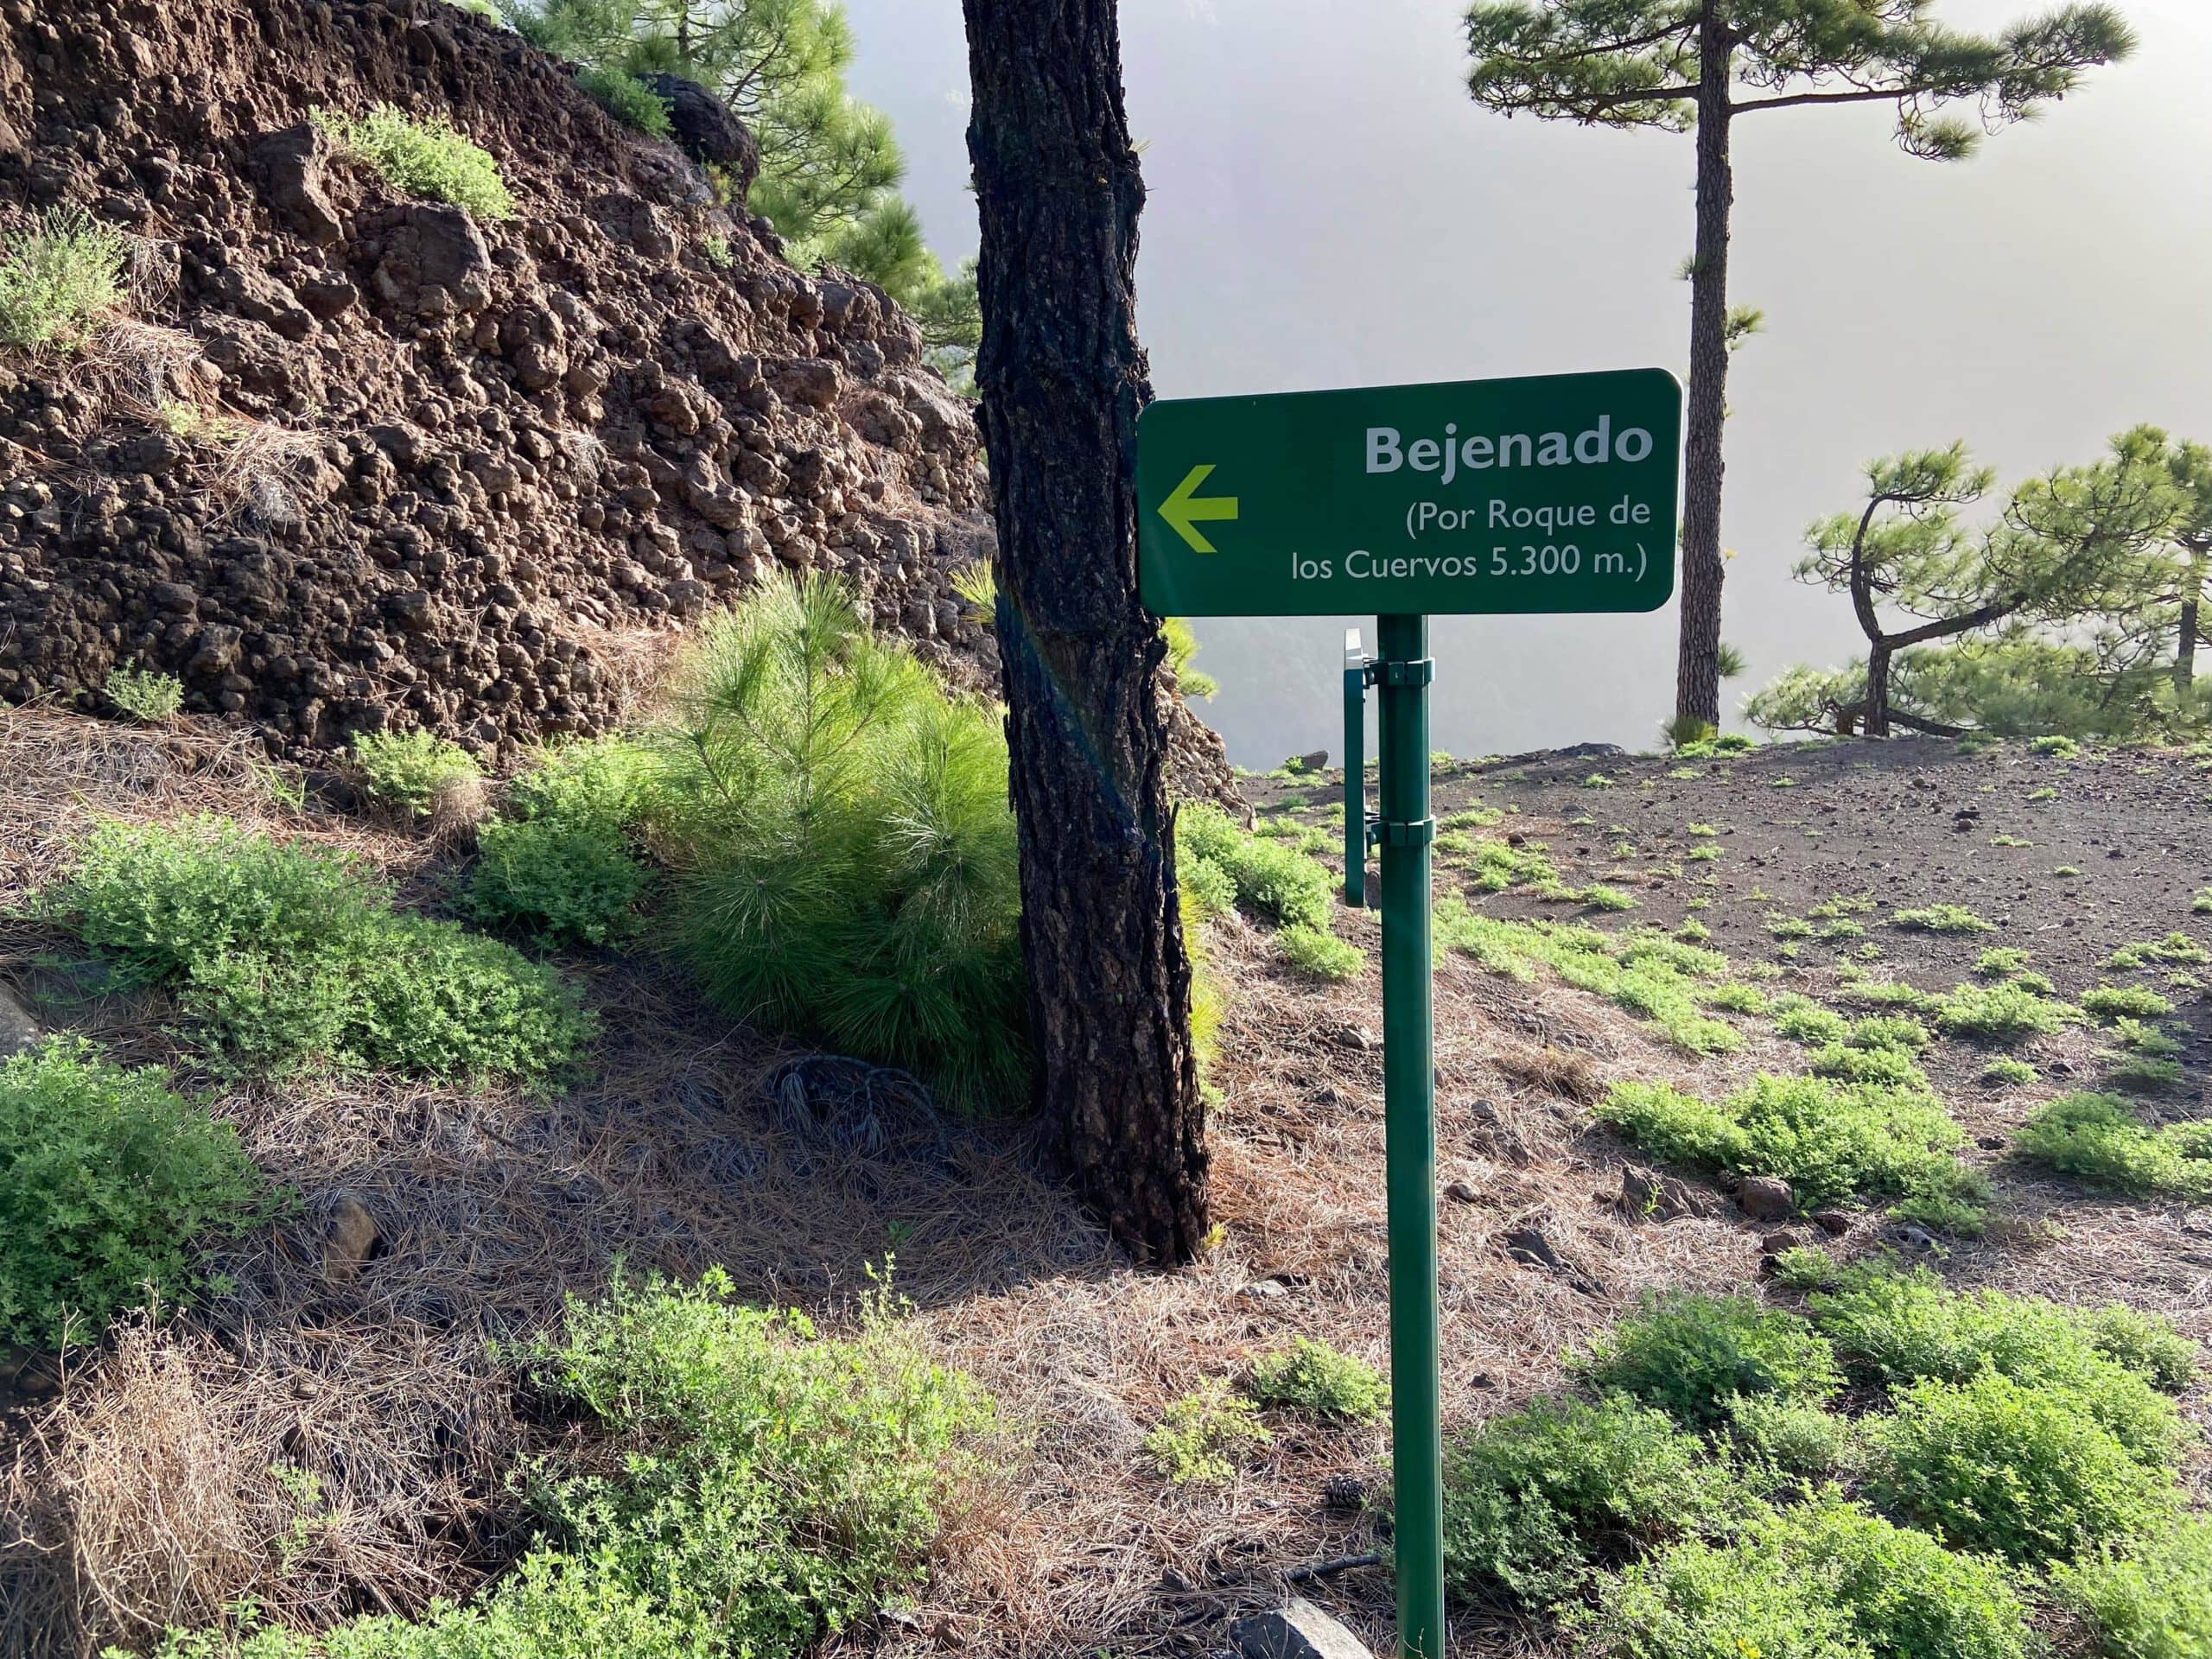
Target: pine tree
[829, 164]
[2160, 605]
[1083, 662]
[2060, 547]
[1697, 65]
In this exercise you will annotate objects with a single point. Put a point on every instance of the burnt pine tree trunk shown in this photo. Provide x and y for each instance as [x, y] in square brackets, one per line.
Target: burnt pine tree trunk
[1062, 379]
[2185, 648]
[1697, 670]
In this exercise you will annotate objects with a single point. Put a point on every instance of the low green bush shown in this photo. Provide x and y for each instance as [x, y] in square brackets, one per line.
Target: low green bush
[1820, 1580]
[2130, 1002]
[2147, 1074]
[1994, 1465]
[1311, 1376]
[2153, 1600]
[1320, 955]
[2009, 1069]
[2098, 1140]
[1790, 1438]
[59, 278]
[1803, 1021]
[1892, 1326]
[1832, 1141]
[2176, 949]
[1536, 1500]
[106, 1176]
[561, 880]
[627, 99]
[844, 858]
[144, 695]
[1942, 919]
[1197, 1438]
[1278, 882]
[1888, 1068]
[2001, 962]
[1693, 1356]
[1896, 1030]
[411, 770]
[428, 158]
[2006, 1012]
[286, 957]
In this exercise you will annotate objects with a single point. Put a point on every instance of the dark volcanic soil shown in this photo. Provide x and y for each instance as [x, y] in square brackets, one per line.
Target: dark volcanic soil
[2068, 859]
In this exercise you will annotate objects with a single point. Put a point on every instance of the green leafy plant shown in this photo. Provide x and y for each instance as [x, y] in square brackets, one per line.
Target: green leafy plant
[2177, 949]
[2006, 1012]
[627, 99]
[2149, 1600]
[1692, 1355]
[2098, 1138]
[60, 278]
[411, 770]
[286, 957]
[1803, 1021]
[1278, 882]
[1788, 1437]
[2008, 1069]
[428, 158]
[2019, 1471]
[106, 1176]
[1822, 1580]
[2058, 747]
[1535, 1501]
[844, 859]
[145, 695]
[560, 880]
[2000, 962]
[2129, 1001]
[1942, 919]
[1199, 1436]
[1830, 1141]
[1321, 955]
[1311, 1376]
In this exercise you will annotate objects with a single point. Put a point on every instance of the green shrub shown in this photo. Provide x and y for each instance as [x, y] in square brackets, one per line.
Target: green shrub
[1942, 919]
[1822, 1580]
[1772, 1431]
[1311, 1376]
[845, 859]
[60, 279]
[2098, 1138]
[2007, 1013]
[412, 769]
[2147, 1074]
[1197, 1437]
[1896, 1030]
[284, 958]
[1599, 896]
[2131, 1001]
[610, 782]
[1891, 1068]
[560, 880]
[145, 696]
[1803, 1021]
[775, 1485]
[627, 99]
[1831, 1142]
[2007, 1068]
[1281, 883]
[2150, 1600]
[1692, 1355]
[1892, 1326]
[2028, 1473]
[1737, 997]
[106, 1178]
[2000, 962]
[2176, 949]
[423, 158]
[2059, 749]
[1206, 885]
[1535, 1501]
[1322, 955]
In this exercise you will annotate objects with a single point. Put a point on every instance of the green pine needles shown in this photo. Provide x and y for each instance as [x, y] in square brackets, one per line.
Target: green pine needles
[845, 857]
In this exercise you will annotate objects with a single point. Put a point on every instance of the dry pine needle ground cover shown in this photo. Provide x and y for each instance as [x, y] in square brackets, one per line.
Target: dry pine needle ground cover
[157, 1479]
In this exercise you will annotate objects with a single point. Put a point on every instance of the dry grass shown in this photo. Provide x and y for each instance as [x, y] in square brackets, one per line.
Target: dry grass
[145, 1491]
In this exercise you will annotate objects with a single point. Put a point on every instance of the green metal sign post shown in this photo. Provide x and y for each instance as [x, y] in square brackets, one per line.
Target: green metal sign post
[1550, 495]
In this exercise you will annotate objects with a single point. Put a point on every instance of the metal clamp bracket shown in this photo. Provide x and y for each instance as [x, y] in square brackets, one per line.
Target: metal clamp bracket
[1410, 671]
[1419, 833]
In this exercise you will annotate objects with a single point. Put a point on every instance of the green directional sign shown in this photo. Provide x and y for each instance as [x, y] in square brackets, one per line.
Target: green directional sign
[1557, 492]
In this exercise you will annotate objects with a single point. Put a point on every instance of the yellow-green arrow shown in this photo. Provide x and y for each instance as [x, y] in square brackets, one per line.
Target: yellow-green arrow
[1183, 511]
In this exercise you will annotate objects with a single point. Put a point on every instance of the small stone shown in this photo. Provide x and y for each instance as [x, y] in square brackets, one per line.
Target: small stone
[1460, 1193]
[1265, 1289]
[1764, 1197]
[18, 1031]
[1834, 1222]
[1990, 1142]
[1300, 1630]
[1357, 1037]
[350, 1237]
[1787, 1239]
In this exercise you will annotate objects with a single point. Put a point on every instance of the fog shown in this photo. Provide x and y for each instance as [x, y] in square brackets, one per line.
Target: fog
[1327, 207]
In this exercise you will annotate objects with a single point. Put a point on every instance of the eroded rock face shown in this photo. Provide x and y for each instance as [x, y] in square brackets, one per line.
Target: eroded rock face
[705, 130]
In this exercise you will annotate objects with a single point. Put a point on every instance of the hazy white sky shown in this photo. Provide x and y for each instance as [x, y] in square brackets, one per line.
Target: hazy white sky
[1327, 207]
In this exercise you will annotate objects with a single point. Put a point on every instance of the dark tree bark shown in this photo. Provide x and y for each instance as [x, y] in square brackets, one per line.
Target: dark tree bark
[1062, 379]
[2185, 651]
[1697, 668]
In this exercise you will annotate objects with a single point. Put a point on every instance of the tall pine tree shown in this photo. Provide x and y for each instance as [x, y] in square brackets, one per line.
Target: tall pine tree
[1083, 662]
[1697, 65]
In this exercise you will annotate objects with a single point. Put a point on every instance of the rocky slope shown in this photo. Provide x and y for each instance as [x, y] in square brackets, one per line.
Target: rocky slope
[349, 457]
